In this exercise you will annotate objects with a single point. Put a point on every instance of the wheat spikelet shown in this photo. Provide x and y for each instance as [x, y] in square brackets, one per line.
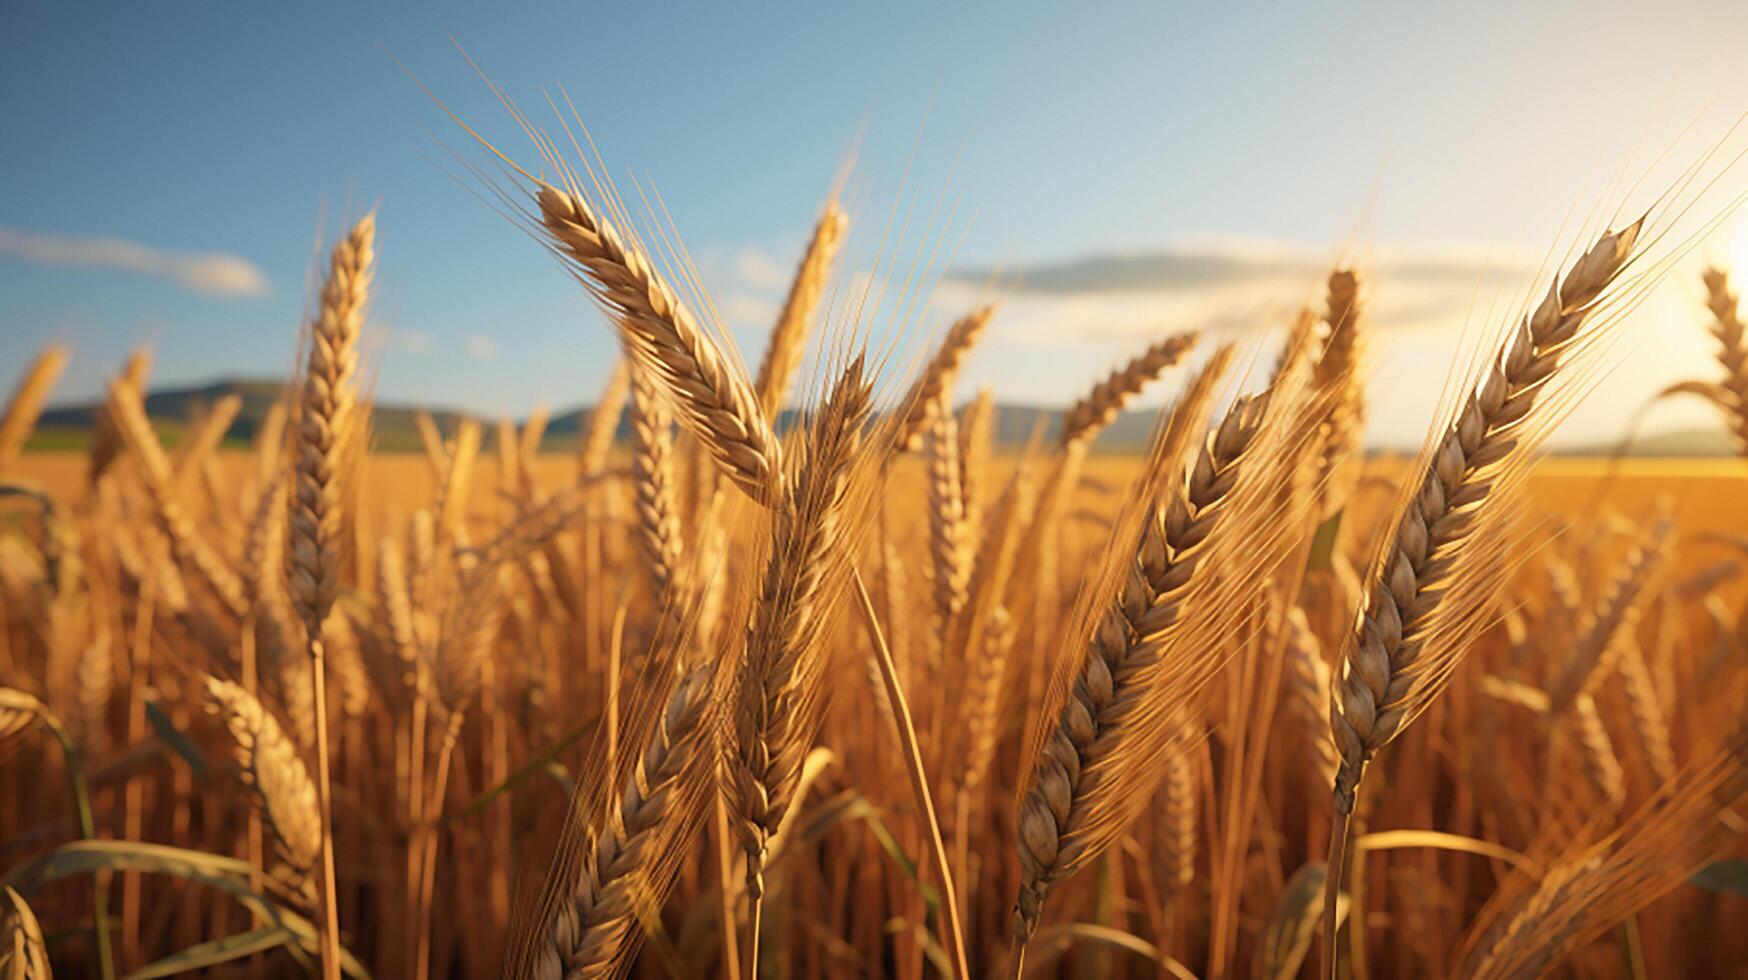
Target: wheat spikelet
[273, 769]
[976, 445]
[716, 402]
[202, 438]
[1178, 818]
[1731, 393]
[596, 928]
[652, 478]
[1336, 373]
[397, 610]
[1650, 724]
[95, 690]
[936, 381]
[1287, 937]
[27, 402]
[1600, 763]
[1077, 787]
[1605, 629]
[789, 335]
[1308, 693]
[1086, 418]
[984, 698]
[185, 537]
[456, 486]
[1394, 664]
[948, 533]
[315, 544]
[777, 690]
[269, 444]
[597, 435]
[106, 442]
[24, 954]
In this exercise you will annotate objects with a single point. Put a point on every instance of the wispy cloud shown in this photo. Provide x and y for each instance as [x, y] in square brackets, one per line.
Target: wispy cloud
[481, 347]
[1228, 283]
[209, 273]
[759, 269]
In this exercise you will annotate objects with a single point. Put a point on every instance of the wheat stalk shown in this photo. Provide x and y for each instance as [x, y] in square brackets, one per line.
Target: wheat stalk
[1071, 803]
[316, 543]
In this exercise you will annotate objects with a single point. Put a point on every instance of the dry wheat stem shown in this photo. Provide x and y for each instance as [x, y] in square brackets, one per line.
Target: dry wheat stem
[316, 543]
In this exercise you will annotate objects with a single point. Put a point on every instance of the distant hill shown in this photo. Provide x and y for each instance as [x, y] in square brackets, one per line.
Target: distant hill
[67, 427]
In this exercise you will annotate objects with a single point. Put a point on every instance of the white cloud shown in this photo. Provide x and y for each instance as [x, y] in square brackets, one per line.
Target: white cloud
[757, 268]
[481, 347]
[742, 308]
[209, 273]
[1062, 324]
[411, 341]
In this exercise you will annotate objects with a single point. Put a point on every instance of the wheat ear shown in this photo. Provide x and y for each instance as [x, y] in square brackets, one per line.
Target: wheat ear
[1308, 693]
[273, 770]
[316, 545]
[24, 954]
[1389, 672]
[789, 336]
[949, 543]
[778, 690]
[1731, 393]
[27, 402]
[597, 434]
[1099, 407]
[1426, 587]
[189, 544]
[1072, 805]
[652, 479]
[938, 376]
[596, 928]
[715, 400]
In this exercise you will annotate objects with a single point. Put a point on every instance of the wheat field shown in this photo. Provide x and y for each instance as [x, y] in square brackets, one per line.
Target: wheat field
[870, 693]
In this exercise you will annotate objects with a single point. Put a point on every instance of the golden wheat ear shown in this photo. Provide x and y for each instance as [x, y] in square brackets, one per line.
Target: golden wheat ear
[1150, 629]
[789, 336]
[1534, 921]
[1433, 577]
[716, 402]
[27, 402]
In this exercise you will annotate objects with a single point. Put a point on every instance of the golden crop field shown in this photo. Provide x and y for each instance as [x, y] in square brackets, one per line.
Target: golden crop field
[878, 695]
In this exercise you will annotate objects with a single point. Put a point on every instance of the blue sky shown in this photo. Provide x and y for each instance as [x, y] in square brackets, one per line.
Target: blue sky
[236, 133]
